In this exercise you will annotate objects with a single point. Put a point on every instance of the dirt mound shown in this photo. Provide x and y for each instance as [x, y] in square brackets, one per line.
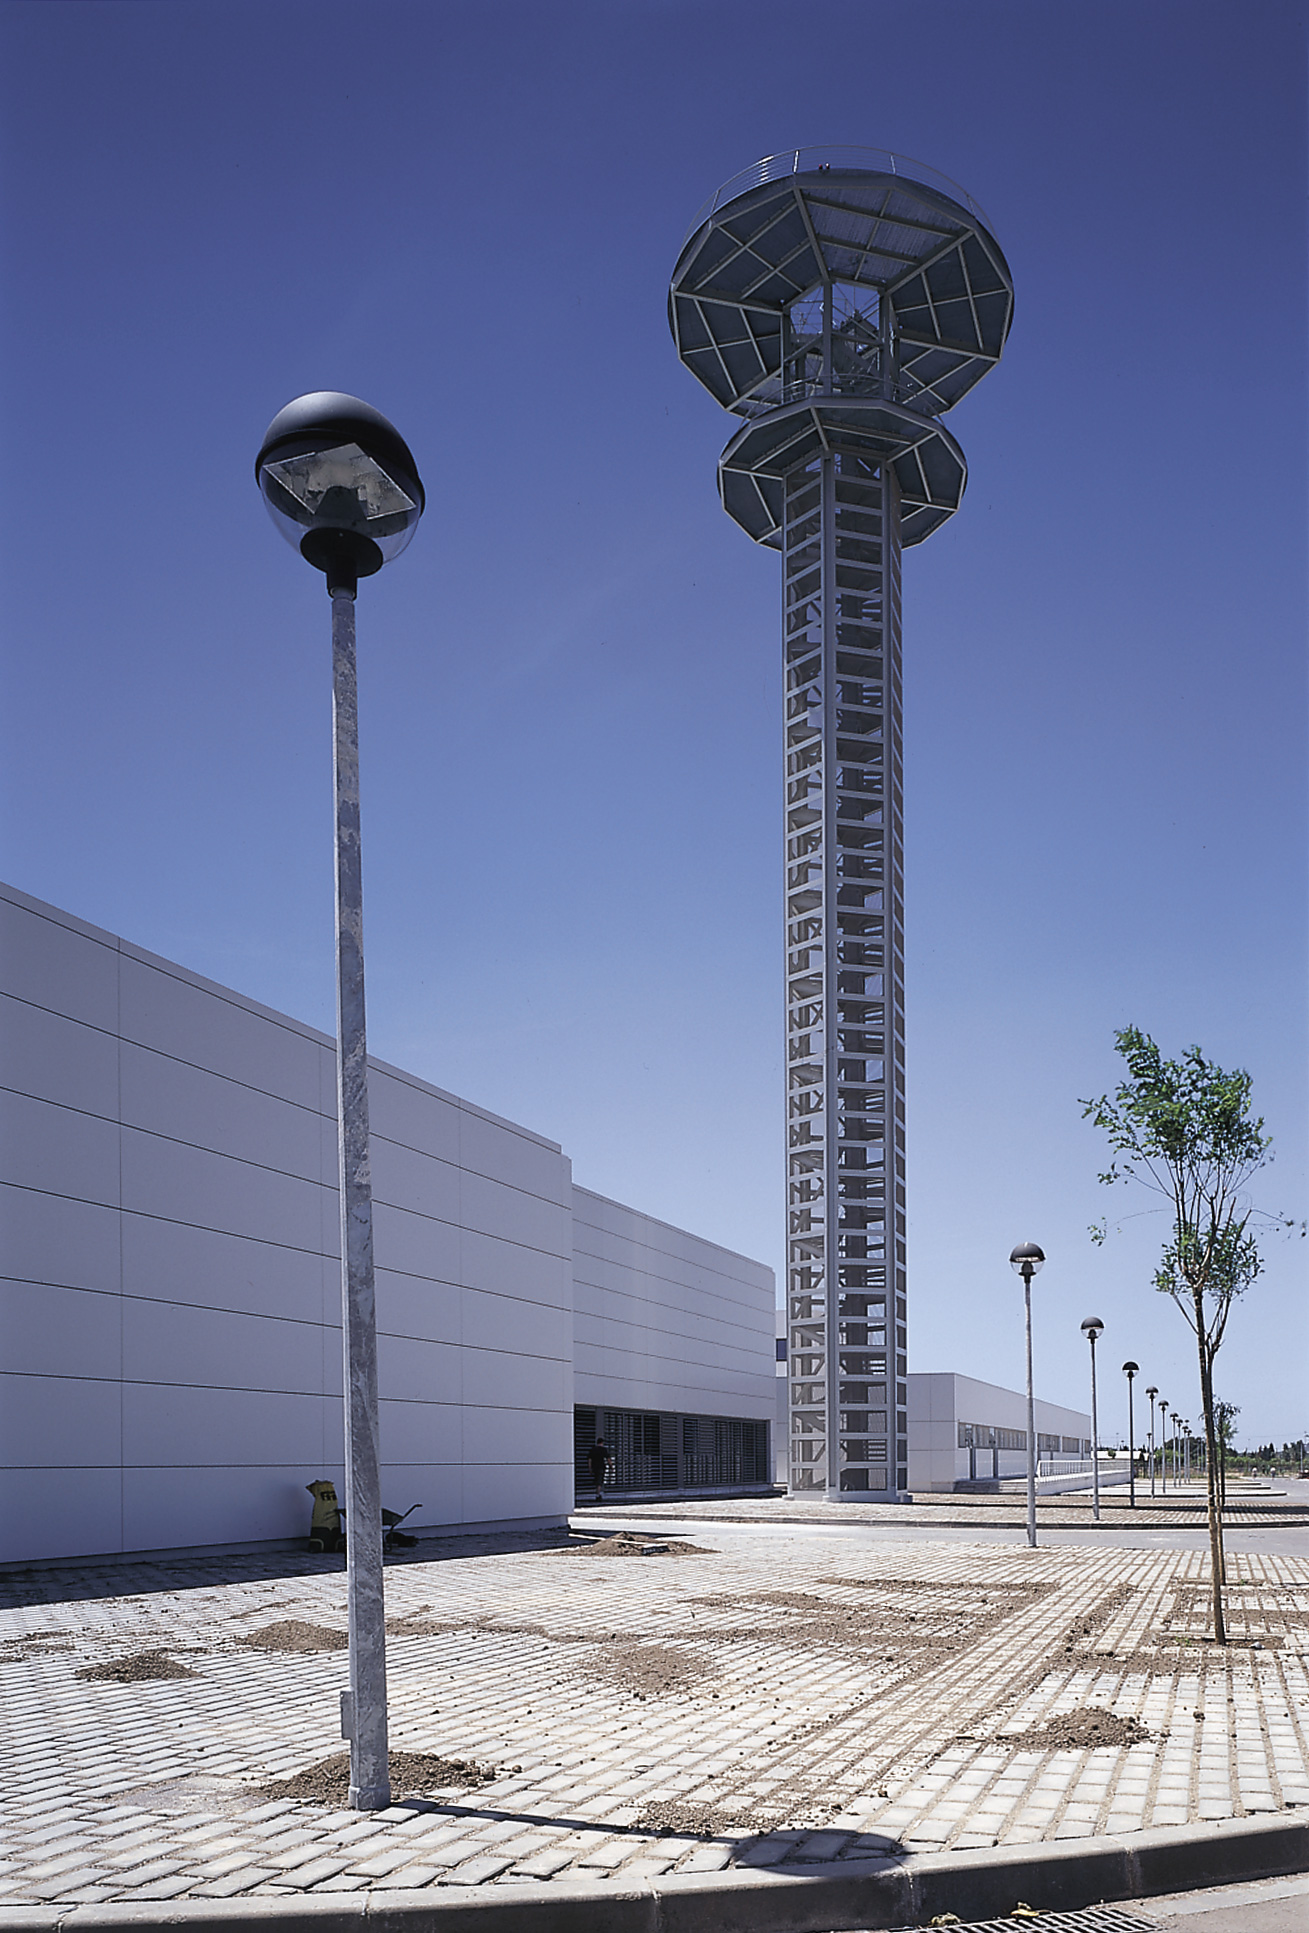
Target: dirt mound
[142, 1665]
[1076, 1731]
[416, 1773]
[293, 1634]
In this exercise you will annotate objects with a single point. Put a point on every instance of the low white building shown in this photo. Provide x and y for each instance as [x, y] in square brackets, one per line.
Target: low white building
[170, 1351]
[965, 1431]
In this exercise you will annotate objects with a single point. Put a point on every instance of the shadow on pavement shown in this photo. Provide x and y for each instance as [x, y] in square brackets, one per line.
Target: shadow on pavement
[130, 1576]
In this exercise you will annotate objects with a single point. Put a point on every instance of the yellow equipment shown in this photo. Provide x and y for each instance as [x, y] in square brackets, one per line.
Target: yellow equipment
[325, 1530]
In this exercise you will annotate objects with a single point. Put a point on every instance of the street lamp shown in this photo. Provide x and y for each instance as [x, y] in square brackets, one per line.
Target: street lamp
[1028, 1260]
[1163, 1446]
[1093, 1329]
[1152, 1392]
[341, 485]
[1131, 1370]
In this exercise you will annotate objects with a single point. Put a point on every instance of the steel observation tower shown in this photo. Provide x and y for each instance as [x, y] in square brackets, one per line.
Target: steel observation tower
[840, 301]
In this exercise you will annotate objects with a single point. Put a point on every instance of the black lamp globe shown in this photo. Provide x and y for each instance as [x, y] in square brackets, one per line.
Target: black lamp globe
[1027, 1260]
[341, 485]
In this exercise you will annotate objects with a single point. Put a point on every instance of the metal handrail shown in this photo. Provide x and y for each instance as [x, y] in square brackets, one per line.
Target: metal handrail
[1075, 1466]
[775, 167]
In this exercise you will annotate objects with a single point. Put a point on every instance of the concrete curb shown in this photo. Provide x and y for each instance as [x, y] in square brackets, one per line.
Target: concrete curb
[865, 1893]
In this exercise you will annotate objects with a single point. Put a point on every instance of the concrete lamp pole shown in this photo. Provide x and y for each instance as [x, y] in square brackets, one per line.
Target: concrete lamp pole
[340, 484]
[1131, 1370]
[1093, 1329]
[1028, 1260]
[1152, 1392]
[1163, 1446]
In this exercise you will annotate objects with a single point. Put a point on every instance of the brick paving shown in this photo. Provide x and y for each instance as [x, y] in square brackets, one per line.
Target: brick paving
[778, 1706]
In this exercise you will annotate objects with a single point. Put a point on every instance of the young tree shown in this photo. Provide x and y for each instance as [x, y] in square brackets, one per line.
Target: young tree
[1225, 1415]
[1184, 1128]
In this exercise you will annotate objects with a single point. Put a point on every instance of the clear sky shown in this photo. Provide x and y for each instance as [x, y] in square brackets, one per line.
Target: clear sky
[570, 694]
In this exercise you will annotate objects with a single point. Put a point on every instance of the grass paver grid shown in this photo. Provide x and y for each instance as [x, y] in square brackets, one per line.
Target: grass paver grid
[888, 1740]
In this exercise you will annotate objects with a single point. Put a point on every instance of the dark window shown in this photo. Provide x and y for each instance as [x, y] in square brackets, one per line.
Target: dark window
[672, 1452]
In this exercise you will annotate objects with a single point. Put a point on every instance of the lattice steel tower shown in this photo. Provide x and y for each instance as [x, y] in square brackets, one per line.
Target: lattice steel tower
[841, 300]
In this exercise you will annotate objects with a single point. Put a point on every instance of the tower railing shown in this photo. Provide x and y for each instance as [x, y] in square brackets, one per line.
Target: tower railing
[793, 161]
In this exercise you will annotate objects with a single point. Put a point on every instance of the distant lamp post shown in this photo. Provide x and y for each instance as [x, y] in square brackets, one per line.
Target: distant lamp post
[1093, 1329]
[1152, 1392]
[341, 485]
[1163, 1446]
[1131, 1370]
[1028, 1260]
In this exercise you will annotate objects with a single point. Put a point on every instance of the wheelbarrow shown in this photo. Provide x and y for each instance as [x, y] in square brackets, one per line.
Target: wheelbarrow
[327, 1524]
[393, 1538]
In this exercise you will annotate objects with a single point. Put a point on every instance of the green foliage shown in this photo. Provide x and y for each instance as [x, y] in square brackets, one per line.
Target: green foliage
[1185, 1129]
[1225, 1415]
[1180, 1113]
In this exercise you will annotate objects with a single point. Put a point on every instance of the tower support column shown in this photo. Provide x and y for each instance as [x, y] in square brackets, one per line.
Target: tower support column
[845, 978]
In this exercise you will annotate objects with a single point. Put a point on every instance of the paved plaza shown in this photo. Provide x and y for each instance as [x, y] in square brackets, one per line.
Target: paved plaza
[774, 1704]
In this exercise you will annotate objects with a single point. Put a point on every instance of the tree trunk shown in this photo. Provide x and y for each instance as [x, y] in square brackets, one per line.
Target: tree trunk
[1217, 1567]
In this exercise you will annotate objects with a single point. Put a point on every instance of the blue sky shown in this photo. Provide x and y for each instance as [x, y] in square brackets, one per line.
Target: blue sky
[569, 684]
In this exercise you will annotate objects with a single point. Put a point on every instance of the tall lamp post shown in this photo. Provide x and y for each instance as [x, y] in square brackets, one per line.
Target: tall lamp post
[341, 485]
[1131, 1370]
[1152, 1392]
[1028, 1260]
[1093, 1329]
[1163, 1446]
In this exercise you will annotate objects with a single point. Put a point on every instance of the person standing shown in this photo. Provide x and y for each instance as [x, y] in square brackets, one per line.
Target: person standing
[599, 1459]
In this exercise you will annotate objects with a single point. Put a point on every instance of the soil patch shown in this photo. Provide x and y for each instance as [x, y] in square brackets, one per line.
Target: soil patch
[627, 1544]
[1082, 1630]
[937, 1631]
[293, 1634]
[1002, 1596]
[38, 1644]
[412, 1773]
[649, 1670]
[686, 1821]
[414, 1625]
[1076, 1731]
[135, 1670]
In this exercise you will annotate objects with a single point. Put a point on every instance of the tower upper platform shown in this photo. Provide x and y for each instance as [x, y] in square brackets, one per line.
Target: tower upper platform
[918, 295]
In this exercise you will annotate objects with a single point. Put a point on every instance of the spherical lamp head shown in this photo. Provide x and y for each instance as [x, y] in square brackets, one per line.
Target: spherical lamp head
[1152, 1391]
[1093, 1329]
[1131, 1369]
[340, 483]
[1027, 1260]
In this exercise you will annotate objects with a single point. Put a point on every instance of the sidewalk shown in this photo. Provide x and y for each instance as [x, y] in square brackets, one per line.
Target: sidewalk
[787, 1709]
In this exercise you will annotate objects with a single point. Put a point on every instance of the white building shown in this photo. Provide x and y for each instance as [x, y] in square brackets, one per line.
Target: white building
[170, 1353]
[962, 1430]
